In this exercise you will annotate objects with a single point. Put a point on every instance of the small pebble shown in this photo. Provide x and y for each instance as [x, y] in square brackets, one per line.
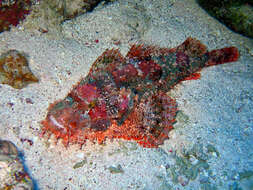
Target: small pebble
[116, 170]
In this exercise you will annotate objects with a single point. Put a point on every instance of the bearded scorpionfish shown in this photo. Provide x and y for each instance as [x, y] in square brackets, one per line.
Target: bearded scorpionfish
[125, 97]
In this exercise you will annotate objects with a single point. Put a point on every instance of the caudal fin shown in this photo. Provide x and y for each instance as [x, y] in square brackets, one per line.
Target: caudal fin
[224, 55]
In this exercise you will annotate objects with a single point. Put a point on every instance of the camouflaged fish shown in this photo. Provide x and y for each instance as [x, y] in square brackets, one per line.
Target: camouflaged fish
[125, 97]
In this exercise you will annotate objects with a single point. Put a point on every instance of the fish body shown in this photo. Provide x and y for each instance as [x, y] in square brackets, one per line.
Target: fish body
[125, 97]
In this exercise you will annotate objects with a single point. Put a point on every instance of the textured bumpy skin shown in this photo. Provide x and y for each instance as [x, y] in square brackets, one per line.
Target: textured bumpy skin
[125, 97]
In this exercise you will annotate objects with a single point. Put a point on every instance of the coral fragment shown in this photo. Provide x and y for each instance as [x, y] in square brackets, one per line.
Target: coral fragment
[14, 70]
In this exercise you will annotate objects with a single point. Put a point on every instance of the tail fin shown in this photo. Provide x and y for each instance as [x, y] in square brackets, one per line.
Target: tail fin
[224, 55]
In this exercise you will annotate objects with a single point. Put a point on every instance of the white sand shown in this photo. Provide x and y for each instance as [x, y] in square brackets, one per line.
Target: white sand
[219, 105]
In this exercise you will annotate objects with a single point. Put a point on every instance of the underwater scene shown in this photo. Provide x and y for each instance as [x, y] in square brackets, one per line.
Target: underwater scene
[126, 95]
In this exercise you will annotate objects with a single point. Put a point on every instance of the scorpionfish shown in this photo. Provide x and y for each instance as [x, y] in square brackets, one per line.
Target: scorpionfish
[125, 97]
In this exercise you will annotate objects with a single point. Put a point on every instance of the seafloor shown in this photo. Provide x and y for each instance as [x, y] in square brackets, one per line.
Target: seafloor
[211, 145]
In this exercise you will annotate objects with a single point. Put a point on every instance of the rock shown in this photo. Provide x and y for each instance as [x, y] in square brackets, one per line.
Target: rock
[237, 15]
[12, 173]
[47, 15]
[12, 12]
[14, 70]
[8, 148]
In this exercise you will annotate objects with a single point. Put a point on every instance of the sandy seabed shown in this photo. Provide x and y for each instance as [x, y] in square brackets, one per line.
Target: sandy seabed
[216, 110]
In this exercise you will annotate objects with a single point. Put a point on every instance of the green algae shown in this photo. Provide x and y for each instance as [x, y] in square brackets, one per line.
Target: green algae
[212, 149]
[182, 118]
[234, 186]
[173, 174]
[165, 186]
[235, 14]
[190, 164]
[124, 147]
[184, 167]
[208, 186]
[245, 174]
[196, 169]
[116, 170]
[80, 164]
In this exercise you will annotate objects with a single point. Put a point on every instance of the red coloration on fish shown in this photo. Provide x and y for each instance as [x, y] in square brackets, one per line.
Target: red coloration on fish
[125, 97]
[194, 76]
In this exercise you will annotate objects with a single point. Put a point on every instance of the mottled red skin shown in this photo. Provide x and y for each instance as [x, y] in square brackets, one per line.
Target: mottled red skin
[125, 97]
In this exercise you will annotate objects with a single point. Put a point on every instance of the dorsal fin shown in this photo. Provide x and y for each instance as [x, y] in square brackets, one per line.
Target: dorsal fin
[108, 57]
[192, 47]
[141, 52]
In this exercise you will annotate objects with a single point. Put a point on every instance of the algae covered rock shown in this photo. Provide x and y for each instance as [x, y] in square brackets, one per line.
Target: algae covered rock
[14, 70]
[47, 15]
[235, 14]
[72, 8]
[12, 12]
[12, 173]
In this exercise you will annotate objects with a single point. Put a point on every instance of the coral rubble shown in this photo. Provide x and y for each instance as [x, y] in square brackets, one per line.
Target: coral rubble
[12, 174]
[14, 70]
[12, 12]
[125, 97]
